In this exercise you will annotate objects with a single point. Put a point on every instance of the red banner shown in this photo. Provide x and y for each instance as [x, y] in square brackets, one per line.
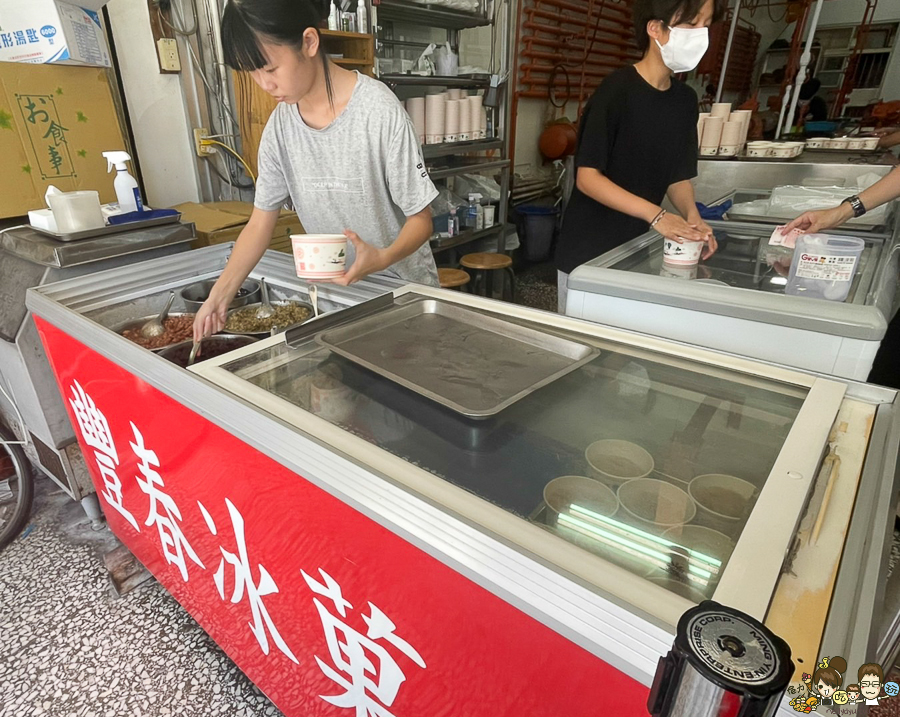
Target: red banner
[325, 610]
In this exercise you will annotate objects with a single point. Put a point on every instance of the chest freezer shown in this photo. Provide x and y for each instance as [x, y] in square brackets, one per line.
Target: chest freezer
[735, 301]
[342, 533]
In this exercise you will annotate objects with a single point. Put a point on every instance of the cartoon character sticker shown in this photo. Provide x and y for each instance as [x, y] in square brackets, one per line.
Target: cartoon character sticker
[829, 677]
[871, 679]
[824, 689]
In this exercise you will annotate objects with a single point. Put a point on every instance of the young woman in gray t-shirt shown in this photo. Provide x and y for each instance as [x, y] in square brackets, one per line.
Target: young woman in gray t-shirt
[339, 145]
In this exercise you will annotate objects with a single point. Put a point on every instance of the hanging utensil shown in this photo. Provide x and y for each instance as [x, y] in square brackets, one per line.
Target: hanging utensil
[314, 299]
[195, 350]
[266, 311]
[156, 327]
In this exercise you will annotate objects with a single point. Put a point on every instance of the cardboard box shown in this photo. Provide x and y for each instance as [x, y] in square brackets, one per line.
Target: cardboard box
[52, 31]
[55, 122]
[221, 222]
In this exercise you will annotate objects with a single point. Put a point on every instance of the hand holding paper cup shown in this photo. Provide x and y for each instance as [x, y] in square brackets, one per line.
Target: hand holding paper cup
[319, 256]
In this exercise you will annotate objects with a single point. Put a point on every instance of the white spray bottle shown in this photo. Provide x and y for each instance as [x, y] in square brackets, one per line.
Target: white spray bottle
[127, 192]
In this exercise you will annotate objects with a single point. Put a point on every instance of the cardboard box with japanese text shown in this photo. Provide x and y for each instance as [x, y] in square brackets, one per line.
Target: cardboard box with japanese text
[55, 121]
[53, 31]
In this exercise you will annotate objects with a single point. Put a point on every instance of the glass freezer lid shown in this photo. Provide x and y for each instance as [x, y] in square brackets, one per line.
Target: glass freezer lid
[649, 462]
[745, 260]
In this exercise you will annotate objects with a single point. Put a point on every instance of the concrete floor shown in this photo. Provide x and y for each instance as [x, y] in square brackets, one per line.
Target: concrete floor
[70, 648]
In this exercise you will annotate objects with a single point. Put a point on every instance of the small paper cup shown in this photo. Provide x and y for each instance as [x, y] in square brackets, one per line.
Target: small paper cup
[654, 505]
[782, 151]
[319, 256]
[728, 150]
[870, 143]
[709, 151]
[686, 253]
[723, 501]
[815, 143]
[562, 493]
[329, 398]
[758, 149]
[614, 461]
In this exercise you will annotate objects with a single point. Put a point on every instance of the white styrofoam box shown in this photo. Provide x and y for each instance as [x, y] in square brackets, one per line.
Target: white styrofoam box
[45, 31]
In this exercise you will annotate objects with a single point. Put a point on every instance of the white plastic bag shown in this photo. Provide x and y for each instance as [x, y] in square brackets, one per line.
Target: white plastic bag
[792, 200]
[446, 61]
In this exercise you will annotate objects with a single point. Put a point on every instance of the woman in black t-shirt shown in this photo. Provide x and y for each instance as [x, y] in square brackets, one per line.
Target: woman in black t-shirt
[638, 141]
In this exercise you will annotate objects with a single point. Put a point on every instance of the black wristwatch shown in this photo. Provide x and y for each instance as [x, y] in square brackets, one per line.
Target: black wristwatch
[856, 205]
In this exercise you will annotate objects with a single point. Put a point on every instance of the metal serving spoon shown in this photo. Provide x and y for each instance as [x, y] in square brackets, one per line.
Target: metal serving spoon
[156, 326]
[266, 311]
[195, 350]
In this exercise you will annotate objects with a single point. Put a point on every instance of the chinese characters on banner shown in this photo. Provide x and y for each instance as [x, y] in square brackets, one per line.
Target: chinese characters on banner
[361, 664]
[47, 135]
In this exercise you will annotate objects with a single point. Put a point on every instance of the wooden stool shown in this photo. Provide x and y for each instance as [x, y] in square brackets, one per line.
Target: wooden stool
[453, 278]
[486, 264]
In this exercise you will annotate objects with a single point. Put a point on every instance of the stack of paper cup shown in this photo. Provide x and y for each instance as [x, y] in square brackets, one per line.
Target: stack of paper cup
[474, 102]
[415, 106]
[465, 120]
[700, 120]
[721, 109]
[451, 120]
[434, 119]
[712, 133]
[744, 116]
[482, 133]
[730, 141]
[456, 94]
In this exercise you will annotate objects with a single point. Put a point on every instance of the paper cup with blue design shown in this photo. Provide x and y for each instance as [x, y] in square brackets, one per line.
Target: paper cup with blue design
[319, 256]
[684, 253]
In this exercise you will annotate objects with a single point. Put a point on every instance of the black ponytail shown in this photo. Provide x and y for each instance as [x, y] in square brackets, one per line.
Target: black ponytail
[246, 24]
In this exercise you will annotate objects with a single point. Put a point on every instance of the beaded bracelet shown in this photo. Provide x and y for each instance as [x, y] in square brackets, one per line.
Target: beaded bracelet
[662, 213]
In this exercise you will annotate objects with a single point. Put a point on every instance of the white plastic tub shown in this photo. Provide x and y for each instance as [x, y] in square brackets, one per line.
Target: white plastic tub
[823, 266]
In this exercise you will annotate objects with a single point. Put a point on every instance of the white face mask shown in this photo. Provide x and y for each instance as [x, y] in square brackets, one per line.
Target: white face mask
[685, 48]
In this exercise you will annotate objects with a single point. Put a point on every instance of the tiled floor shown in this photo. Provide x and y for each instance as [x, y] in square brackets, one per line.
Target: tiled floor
[69, 648]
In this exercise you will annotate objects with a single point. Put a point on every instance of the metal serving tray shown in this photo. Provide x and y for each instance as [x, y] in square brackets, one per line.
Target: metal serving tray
[108, 229]
[470, 362]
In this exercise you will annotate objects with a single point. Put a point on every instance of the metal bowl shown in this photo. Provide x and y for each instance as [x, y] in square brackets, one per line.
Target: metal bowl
[211, 347]
[138, 323]
[195, 294]
[279, 302]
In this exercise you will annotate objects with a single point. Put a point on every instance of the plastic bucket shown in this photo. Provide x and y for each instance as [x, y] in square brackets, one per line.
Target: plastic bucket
[540, 227]
[76, 211]
[823, 266]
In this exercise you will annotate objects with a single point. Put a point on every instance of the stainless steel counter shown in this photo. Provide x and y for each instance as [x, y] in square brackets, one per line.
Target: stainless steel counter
[38, 248]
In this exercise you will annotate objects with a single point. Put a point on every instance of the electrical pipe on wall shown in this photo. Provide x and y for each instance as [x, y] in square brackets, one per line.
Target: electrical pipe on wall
[734, 22]
[801, 73]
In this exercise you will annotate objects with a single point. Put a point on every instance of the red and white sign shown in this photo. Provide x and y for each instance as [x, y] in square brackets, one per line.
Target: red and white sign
[326, 611]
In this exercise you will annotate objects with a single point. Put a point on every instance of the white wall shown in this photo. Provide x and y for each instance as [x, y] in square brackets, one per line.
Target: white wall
[156, 106]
